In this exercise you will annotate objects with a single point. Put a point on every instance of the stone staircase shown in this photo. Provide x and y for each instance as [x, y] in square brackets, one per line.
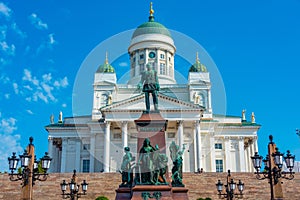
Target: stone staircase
[104, 184]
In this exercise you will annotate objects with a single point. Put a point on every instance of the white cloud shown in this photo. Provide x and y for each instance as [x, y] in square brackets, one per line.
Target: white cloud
[37, 22]
[41, 89]
[64, 105]
[3, 32]
[51, 39]
[4, 79]
[47, 44]
[61, 83]
[9, 141]
[16, 88]
[29, 112]
[17, 30]
[7, 96]
[123, 64]
[5, 10]
[7, 49]
[8, 126]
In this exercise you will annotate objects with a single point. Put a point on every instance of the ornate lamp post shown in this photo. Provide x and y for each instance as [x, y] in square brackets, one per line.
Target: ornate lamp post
[74, 188]
[30, 170]
[273, 168]
[230, 188]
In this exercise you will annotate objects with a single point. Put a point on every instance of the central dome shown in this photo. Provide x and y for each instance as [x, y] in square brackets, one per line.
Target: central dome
[151, 27]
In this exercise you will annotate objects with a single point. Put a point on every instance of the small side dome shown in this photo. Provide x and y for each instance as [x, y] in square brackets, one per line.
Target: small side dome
[198, 67]
[106, 67]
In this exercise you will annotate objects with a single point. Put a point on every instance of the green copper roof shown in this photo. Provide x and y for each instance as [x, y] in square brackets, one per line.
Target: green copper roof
[198, 67]
[151, 27]
[105, 68]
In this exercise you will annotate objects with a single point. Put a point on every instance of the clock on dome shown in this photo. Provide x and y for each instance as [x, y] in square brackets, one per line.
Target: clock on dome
[151, 54]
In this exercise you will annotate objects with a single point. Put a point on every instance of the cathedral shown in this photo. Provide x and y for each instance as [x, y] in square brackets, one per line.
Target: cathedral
[95, 142]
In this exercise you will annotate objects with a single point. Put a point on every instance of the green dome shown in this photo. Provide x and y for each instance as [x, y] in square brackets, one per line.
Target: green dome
[198, 67]
[151, 27]
[105, 68]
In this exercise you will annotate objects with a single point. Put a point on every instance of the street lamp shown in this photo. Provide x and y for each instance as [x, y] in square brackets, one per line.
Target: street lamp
[74, 188]
[230, 188]
[273, 167]
[29, 171]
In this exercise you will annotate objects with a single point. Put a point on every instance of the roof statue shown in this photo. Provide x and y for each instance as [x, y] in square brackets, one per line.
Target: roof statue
[243, 115]
[252, 118]
[60, 117]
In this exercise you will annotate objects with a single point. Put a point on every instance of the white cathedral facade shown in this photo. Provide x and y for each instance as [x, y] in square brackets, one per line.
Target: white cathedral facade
[94, 143]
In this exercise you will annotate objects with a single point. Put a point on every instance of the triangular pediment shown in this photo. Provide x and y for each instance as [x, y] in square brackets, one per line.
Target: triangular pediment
[165, 103]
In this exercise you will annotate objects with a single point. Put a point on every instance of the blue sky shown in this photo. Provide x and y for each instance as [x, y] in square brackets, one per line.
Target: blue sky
[255, 45]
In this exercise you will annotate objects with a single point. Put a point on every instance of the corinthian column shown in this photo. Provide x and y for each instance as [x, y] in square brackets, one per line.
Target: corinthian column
[124, 134]
[106, 147]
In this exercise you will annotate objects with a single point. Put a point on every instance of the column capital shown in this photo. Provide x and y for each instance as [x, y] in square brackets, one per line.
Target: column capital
[124, 123]
[196, 122]
[241, 138]
[107, 123]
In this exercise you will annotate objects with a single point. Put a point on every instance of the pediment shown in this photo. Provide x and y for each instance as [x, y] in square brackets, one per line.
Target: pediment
[170, 108]
[165, 103]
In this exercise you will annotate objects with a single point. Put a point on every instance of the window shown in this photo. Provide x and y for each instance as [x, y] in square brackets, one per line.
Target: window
[218, 146]
[85, 165]
[134, 59]
[219, 165]
[141, 56]
[86, 146]
[162, 68]
[162, 56]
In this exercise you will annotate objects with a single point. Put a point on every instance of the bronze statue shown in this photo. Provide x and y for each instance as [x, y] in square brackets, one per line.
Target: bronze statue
[160, 167]
[150, 85]
[176, 156]
[145, 164]
[126, 167]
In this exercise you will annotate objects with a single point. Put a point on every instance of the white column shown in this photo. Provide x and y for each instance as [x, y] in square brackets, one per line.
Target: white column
[248, 158]
[51, 153]
[209, 100]
[227, 154]
[92, 152]
[212, 153]
[63, 155]
[180, 142]
[195, 148]
[106, 147]
[180, 134]
[255, 144]
[242, 155]
[199, 146]
[59, 160]
[77, 157]
[125, 134]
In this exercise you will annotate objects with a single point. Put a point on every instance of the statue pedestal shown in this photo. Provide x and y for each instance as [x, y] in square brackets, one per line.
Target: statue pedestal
[165, 192]
[153, 126]
[123, 193]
